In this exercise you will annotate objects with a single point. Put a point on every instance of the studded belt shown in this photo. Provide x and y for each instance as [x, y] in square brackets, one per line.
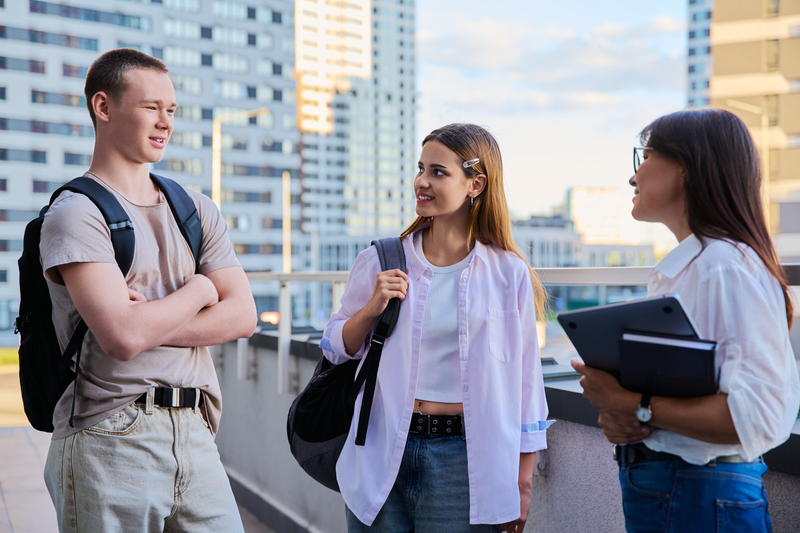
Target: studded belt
[441, 425]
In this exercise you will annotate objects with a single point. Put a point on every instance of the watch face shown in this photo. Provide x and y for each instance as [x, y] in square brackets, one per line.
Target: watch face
[644, 414]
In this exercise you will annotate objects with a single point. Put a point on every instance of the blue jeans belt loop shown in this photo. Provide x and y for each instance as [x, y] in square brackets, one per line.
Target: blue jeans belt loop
[628, 454]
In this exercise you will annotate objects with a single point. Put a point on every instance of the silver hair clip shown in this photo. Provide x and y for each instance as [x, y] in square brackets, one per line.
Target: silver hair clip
[470, 163]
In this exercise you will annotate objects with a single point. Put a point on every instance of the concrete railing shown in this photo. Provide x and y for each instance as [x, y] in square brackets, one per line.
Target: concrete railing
[577, 491]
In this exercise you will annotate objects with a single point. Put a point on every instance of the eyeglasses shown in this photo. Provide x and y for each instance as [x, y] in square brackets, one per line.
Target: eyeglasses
[638, 158]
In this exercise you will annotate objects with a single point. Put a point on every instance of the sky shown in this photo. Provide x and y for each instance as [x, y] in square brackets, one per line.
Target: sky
[565, 87]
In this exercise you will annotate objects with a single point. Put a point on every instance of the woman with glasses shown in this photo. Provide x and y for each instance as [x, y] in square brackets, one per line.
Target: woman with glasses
[694, 464]
[459, 409]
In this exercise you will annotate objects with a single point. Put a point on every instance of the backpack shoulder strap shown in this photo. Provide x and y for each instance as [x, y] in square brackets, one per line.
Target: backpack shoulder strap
[391, 254]
[122, 237]
[185, 213]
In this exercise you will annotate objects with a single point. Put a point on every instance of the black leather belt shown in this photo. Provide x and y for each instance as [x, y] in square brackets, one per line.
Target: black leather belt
[173, 397]
[628, 454]
[422, 424]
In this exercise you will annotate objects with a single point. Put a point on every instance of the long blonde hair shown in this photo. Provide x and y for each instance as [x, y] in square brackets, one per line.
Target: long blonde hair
[489, 222]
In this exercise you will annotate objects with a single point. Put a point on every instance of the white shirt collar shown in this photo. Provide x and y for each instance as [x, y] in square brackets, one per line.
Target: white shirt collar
[680, 257]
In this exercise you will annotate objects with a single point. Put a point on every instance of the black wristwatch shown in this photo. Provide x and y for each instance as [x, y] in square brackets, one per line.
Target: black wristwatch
[643, 413]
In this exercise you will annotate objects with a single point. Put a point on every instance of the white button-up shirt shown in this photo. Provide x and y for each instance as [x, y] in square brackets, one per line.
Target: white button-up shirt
[505, 410]
[735, 301]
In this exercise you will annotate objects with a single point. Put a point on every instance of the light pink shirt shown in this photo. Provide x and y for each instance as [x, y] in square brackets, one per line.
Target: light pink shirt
[505, 410]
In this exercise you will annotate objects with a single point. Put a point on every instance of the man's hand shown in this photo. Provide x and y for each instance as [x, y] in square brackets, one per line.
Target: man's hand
[205, 286]
[616, 405]
[135, 297]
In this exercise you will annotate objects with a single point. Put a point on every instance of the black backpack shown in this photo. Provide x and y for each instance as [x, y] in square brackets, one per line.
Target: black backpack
[44, 372]
[319, 418]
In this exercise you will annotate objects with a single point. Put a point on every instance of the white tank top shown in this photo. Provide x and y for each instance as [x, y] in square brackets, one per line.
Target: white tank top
[439, 377]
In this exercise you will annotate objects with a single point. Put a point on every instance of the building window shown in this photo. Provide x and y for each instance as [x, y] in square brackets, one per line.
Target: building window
[73, 71]
[24, 65]
[772, 54]
[38, 126]
[43, 37]
[772, 108]
[71, 100]
[3, 184]
[83, 160]
[91, 15]
[206, 32]
[182, 29]
[229, 62]
[193, 167]
[180, 5]
[17, 215]
[705, 15]
[229, 36]
[2, 93]
[3, 276]
[189, 139]
[183, 57]
[692, 69]
[773, 8]
[29, 156]
[48, 187]
[187, 84]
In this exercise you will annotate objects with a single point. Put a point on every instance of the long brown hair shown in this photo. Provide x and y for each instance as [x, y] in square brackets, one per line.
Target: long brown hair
[723, 180]
[489, 222]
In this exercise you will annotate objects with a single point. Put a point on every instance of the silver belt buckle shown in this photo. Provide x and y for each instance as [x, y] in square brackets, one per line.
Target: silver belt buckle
[176, 397]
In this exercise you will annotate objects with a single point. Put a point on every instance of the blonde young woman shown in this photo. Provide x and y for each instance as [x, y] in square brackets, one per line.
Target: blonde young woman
[459, 408]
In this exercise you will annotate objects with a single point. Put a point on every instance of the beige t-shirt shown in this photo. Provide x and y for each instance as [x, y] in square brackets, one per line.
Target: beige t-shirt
[74, 231]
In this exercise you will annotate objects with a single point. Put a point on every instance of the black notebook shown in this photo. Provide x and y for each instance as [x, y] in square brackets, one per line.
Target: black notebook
[667, 366]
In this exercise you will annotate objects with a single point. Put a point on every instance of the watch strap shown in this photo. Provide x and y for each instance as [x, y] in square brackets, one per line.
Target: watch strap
[645, 401]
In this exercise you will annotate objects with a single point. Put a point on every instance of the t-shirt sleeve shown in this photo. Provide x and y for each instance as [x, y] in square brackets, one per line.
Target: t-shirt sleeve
[216, 251]
[73, 231]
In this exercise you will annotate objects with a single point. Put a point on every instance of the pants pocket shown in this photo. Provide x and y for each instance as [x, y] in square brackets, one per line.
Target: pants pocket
[742, 517]
[119, 424]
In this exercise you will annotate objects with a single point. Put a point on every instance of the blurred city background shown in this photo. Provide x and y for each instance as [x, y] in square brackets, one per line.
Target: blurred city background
[302, 120]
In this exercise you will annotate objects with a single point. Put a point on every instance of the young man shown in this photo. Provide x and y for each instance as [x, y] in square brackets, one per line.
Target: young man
[129, 463]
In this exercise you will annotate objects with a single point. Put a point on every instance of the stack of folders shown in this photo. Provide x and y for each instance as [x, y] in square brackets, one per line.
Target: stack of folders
[667, 366]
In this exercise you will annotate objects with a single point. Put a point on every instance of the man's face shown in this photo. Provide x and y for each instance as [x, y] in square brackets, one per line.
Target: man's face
[142, 117]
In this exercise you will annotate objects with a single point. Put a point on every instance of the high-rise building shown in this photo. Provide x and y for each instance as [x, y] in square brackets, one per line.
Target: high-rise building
[356, 100]
[756, 74]
[700, 59]
[223, 56]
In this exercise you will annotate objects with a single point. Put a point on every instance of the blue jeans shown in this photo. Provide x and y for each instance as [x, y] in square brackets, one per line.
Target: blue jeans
[431, 493]
[674, 496]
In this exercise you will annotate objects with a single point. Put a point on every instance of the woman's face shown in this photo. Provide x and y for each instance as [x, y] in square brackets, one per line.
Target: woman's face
[441, 187]
[659, 194]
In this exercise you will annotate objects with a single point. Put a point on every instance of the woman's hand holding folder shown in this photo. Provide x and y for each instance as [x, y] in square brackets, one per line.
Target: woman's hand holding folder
[616, 405]
[705, 418]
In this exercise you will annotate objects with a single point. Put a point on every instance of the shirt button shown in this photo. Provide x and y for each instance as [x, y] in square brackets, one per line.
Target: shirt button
[467, 413]
[463, 358]
[470, 470]
[466, 388]
[461, 304]
[461, 332]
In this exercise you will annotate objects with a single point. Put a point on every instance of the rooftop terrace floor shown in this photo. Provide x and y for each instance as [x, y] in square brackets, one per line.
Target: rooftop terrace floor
[25, 505]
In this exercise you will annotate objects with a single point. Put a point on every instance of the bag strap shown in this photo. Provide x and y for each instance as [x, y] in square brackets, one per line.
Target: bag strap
[391, 254]
[184, 212]
[122, 237]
